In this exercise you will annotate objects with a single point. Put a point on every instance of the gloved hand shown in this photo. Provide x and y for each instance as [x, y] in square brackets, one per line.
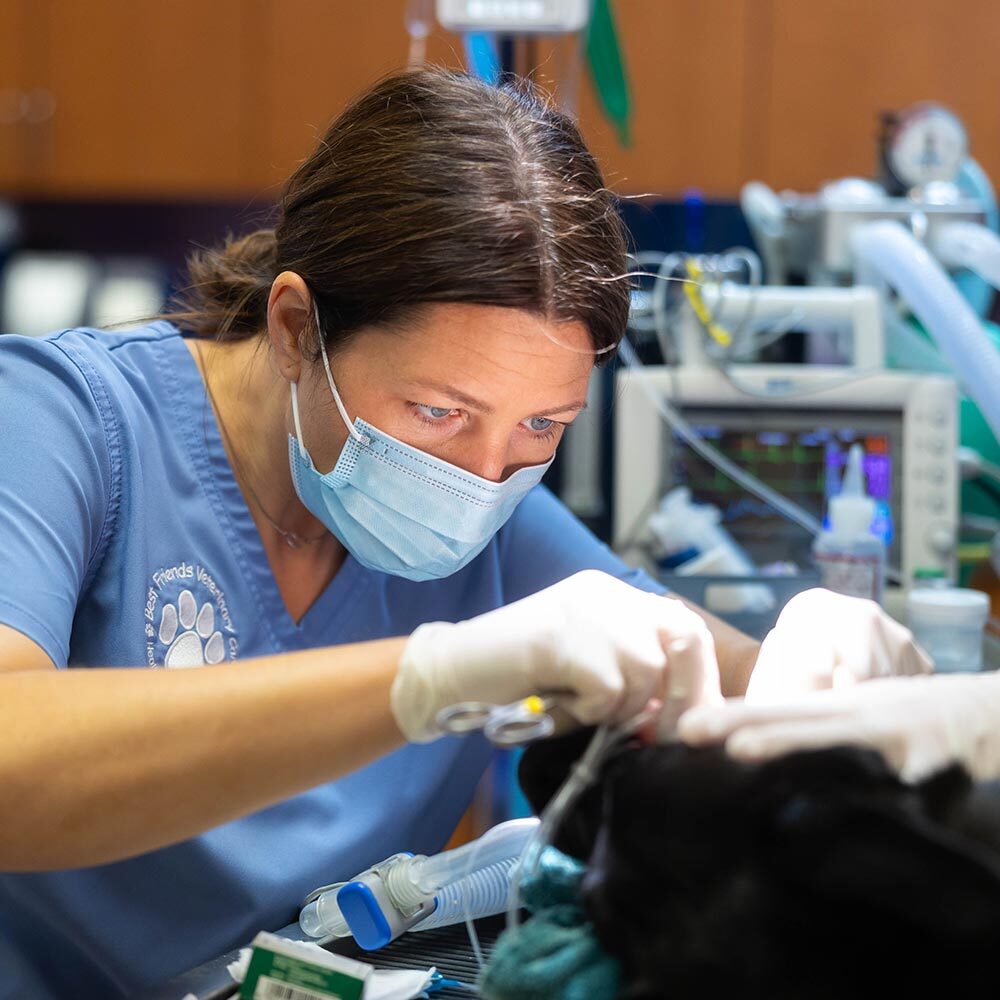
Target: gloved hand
[920, 724]
[825, 640]
[604, 643]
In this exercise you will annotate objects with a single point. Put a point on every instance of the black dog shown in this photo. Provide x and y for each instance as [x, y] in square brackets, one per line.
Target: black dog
[816, 875]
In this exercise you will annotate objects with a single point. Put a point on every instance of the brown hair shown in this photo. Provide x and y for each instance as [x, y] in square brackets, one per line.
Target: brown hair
[431, 187]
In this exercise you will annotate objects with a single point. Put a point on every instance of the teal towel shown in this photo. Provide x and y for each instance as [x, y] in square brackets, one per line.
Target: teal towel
[553, 955]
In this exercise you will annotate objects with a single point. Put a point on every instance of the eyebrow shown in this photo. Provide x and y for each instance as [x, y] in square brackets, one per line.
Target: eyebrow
[477, 404]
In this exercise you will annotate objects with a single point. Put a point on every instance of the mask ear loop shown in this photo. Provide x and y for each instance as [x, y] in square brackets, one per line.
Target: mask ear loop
[298, 425]
[351, 429]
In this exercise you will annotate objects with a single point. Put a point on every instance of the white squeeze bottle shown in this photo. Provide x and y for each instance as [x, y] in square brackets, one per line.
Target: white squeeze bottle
[850, 558]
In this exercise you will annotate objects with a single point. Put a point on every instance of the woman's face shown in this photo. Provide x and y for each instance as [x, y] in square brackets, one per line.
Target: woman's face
[486, 388]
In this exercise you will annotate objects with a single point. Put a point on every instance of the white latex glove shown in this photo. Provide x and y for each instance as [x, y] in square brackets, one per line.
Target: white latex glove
[920, 724]
[605, 643]
[825, 640]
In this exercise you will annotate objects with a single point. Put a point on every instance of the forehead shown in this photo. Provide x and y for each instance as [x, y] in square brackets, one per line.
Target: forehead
[489, 345]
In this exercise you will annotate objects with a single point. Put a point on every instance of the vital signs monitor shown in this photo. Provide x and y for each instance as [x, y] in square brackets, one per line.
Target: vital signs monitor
[791, 426]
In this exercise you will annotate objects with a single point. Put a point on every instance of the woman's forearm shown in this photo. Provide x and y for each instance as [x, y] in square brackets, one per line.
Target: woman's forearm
[102, 764]
[736, 652]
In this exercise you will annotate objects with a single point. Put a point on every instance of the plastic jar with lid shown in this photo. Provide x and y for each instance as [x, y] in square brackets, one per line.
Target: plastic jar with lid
[948, 623]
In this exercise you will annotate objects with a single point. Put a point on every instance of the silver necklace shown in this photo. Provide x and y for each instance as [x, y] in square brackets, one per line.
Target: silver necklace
[292, 538]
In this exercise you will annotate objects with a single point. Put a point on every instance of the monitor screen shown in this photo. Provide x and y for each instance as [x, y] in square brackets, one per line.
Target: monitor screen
[800, 454]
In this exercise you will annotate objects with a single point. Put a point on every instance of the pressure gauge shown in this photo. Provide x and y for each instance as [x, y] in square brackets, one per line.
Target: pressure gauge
[921, 145]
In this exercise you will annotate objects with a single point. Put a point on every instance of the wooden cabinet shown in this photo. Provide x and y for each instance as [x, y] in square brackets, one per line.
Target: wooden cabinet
[314, 57]
[21, 101]
[221, 99]
[131, 98]
[689, 109]
[183, 98]
[687, 64]
[157, 103]
[788, 91]
[826, 68]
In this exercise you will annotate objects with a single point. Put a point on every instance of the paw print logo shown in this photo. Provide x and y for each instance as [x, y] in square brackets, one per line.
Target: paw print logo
[189, 634]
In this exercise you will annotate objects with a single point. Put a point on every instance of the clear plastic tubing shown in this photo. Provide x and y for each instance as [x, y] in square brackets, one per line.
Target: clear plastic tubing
[887, 254]
[413, 880]
[427, 875]
[969, 245]
[481, 894]
[322, 917]
[583, 773]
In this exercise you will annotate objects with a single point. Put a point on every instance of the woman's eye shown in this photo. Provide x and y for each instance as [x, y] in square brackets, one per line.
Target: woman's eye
[434, 412]
[539, 424]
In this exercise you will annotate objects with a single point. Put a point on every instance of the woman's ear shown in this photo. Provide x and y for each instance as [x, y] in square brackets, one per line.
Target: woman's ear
[289, 313]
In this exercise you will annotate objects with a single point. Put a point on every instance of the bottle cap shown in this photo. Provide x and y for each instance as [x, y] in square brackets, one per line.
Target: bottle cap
[852, 510]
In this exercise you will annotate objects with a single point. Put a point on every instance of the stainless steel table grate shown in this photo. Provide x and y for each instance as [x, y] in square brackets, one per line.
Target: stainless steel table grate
[447, 948]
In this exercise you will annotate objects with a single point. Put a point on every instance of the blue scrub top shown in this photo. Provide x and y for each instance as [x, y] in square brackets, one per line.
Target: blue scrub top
[125, 541]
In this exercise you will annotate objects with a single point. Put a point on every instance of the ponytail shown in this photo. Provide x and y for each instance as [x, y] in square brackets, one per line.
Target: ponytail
[228, 287]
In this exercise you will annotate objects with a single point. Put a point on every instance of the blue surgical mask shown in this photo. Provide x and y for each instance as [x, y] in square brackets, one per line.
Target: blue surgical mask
[400, 510]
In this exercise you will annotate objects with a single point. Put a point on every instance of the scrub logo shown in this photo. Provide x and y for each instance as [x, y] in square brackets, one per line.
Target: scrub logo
[187, 619]
[190, 635]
